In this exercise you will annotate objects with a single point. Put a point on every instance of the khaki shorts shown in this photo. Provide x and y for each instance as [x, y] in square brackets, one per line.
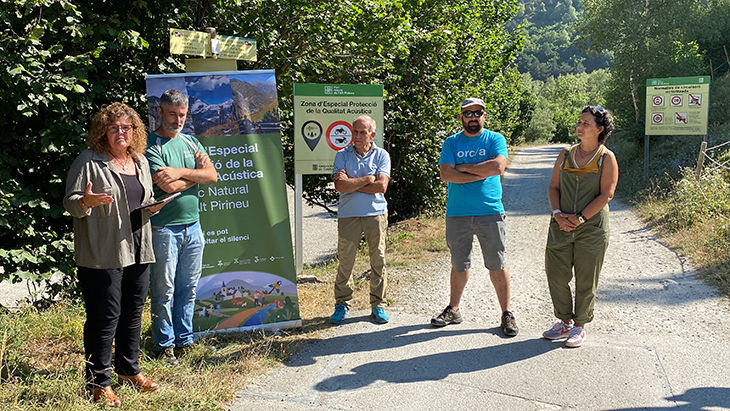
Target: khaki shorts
[490, 231]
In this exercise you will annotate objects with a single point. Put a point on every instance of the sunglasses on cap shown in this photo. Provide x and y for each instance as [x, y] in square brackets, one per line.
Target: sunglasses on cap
[469, 114]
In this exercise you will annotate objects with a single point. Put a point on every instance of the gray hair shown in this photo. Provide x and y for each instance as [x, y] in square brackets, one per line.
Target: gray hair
[173, 97]
[368, 119]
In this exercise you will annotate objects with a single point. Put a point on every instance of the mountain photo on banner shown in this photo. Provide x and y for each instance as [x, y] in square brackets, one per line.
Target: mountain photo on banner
[248, 279]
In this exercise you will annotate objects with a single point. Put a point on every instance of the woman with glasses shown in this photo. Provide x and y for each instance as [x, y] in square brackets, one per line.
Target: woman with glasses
[583, 182]
[107, 186]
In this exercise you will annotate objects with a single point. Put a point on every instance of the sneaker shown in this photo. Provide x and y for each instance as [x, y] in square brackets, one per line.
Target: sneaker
[380, 316]
[577, 336]
[340, 314]
[509, 325]
[559, 330]
[448, 316]
[167, 355]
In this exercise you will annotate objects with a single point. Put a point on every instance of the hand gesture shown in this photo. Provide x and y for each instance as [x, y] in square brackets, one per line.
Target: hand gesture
[92, 200]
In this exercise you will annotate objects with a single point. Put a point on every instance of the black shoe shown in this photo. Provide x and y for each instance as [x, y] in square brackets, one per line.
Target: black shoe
[509, 325]
[167, 355]
[448, 316]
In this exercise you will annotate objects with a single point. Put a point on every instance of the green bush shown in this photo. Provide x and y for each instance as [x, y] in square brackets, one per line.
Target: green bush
[696, 202]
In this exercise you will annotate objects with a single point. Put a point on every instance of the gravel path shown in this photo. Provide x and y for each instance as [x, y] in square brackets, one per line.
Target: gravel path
[645, 287]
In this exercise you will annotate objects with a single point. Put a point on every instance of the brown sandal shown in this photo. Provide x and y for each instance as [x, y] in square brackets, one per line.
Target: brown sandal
[106, 395]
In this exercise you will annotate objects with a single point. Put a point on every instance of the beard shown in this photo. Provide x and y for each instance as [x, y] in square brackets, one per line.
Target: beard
[170, 129]
[472, 127]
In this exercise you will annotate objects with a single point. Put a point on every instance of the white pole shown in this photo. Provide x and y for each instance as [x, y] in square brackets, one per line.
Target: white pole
[298, 217]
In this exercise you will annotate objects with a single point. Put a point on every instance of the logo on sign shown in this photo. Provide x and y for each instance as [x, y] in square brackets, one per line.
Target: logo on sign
[657, 101]
[657, 118]
[312, 132]
[695, 99]
[676, 100]
[680, 118]
[339, 135]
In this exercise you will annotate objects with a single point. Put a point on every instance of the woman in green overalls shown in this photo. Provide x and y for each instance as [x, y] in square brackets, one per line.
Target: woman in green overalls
[583, 182]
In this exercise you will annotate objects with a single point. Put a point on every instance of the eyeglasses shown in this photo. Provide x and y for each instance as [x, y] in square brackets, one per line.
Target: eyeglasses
[599, 109]
[468, 113]
[116, 129]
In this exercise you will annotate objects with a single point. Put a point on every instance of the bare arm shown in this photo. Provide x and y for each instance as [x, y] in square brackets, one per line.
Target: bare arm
[493, 167]
[345, 184]
[554, 196]
[172, 180]
[379, 186]
[468, 173]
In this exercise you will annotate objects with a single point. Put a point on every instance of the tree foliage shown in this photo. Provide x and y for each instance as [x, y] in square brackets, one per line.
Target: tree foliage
[60, 60]
[648, 39]
[549, 40]
[560, 101]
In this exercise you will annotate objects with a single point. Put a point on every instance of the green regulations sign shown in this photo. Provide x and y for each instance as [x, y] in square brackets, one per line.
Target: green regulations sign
[248, 279]
[323, 115]
[677, 106]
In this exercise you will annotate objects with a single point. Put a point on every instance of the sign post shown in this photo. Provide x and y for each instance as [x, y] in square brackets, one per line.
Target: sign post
[323, 114]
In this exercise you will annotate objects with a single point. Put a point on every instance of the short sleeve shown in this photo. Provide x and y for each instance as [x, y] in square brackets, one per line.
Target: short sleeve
[500, 146]
[340, 162]
[447, 153]
[383, 163]
[154, 156]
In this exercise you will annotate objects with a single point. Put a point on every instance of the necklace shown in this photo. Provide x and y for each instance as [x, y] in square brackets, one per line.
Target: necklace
[589, 153]
[120, 162]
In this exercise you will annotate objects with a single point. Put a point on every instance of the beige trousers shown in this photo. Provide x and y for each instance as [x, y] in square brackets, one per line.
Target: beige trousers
[350, 231]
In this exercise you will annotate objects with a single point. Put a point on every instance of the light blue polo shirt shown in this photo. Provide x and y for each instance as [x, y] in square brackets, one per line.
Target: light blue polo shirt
[483, 197]
[375, 161]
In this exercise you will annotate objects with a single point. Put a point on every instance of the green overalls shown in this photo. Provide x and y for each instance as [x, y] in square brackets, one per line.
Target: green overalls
[582, 249]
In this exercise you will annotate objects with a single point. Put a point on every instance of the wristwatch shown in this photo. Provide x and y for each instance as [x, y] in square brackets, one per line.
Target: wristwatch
[580, 218]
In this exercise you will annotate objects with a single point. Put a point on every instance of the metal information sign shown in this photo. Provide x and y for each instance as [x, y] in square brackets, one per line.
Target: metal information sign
[323, 115]
[198, 43]
[677, 106]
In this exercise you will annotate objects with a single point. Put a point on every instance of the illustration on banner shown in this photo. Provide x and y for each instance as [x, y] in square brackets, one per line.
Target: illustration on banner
[244, 299]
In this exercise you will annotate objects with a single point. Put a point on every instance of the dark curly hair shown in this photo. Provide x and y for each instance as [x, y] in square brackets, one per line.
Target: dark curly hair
[603, 118]
[108, 114]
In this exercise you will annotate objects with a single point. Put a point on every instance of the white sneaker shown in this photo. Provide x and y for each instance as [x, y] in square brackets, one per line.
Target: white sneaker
[576, 338]
[558, 330]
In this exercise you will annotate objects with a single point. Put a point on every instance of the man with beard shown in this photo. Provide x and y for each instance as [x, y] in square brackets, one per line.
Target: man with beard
[178, 164]
[472, 162]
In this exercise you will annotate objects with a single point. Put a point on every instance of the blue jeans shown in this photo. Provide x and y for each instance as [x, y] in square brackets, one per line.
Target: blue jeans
[173, 279]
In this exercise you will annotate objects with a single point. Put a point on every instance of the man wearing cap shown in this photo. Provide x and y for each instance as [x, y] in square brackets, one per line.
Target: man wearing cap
[471, 163]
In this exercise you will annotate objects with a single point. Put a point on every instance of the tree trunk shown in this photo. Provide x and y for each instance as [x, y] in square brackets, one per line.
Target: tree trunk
[635, 96]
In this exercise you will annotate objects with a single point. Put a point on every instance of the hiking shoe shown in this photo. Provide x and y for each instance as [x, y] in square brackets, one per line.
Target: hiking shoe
[380, 316]
[340, 313]
[448, 316]
[509, 325]
[559, 330]
[167, 355]
[577, 336]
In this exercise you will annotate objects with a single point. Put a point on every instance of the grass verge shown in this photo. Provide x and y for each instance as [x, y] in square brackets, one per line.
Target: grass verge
[42, 355]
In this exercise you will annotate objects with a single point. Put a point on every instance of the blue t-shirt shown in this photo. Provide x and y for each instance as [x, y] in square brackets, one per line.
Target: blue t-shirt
[176, 153]
[375, 161]
[483, 197]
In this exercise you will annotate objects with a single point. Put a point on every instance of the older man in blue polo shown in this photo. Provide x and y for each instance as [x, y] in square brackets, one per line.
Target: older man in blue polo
[361, 174]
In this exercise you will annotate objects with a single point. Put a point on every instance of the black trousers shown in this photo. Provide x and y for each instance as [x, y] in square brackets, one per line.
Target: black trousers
[114, 301]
